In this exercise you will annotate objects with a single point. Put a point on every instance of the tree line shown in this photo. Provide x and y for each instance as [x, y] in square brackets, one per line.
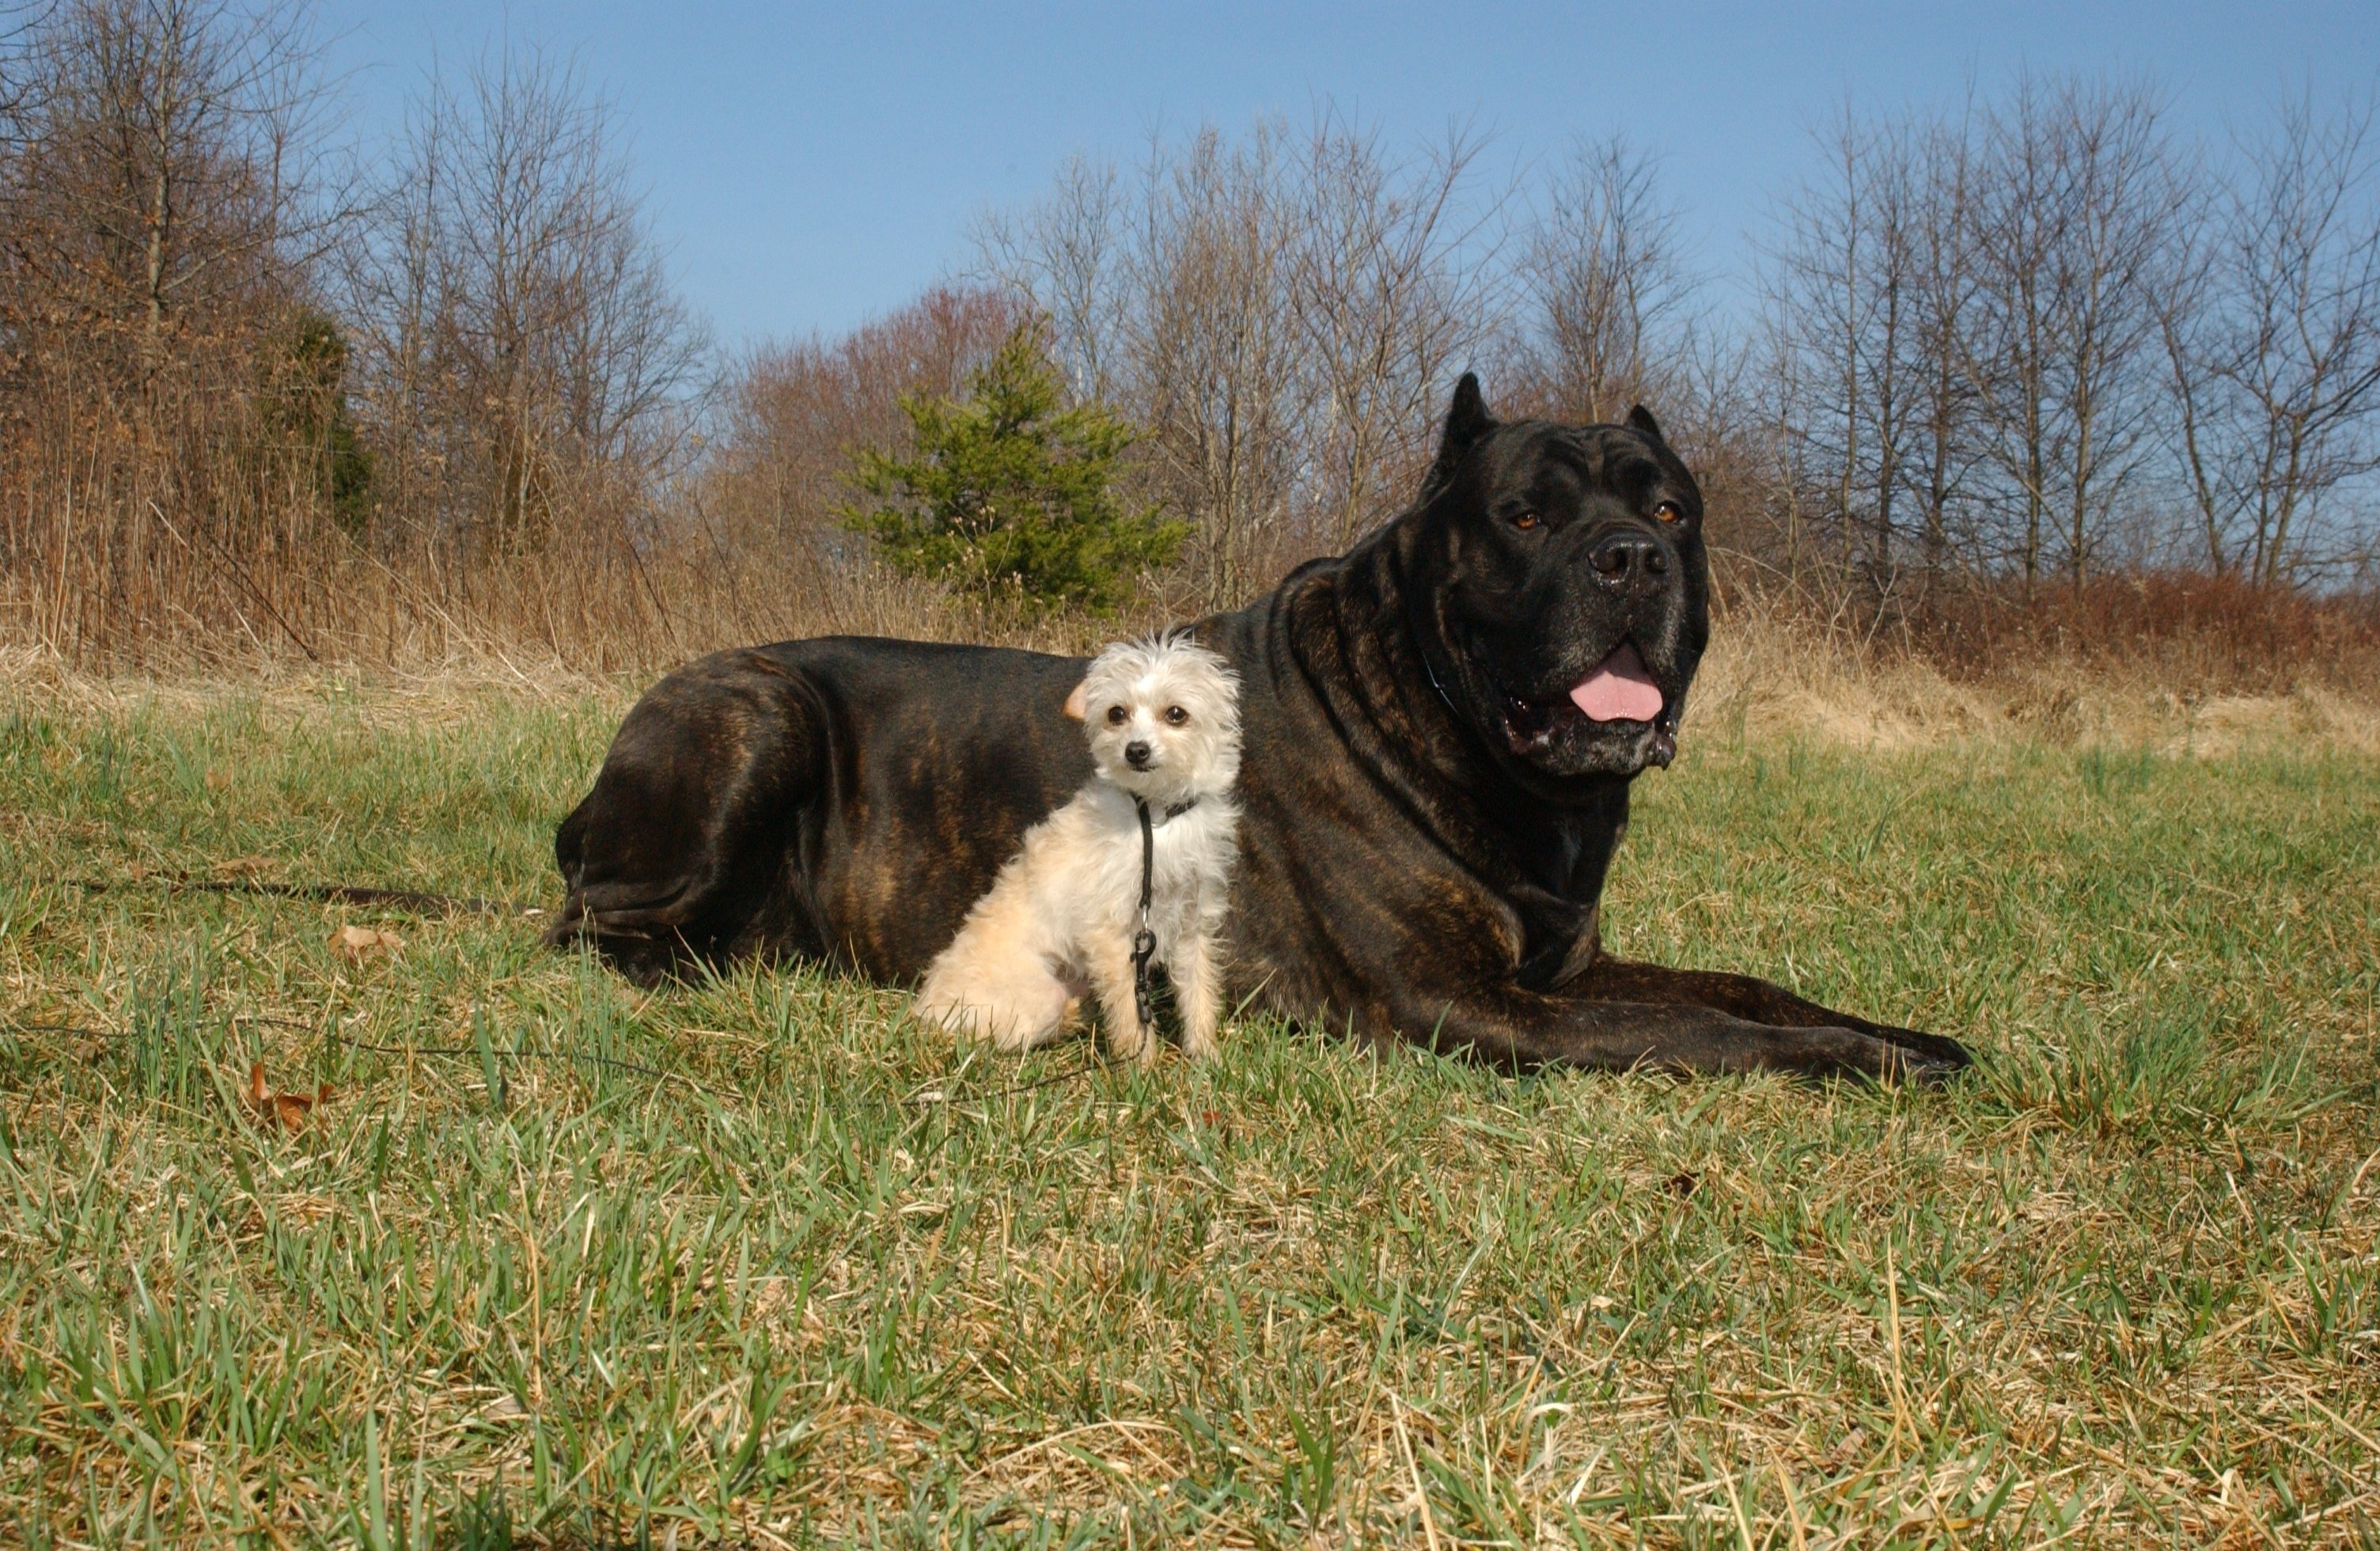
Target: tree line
[2043, 337]
[262, 385]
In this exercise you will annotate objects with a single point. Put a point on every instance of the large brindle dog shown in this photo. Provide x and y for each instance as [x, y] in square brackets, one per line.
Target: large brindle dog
[1441, 725]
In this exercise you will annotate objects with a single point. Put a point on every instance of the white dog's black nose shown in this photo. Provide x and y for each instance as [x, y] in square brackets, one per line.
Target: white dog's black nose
[1135, 754]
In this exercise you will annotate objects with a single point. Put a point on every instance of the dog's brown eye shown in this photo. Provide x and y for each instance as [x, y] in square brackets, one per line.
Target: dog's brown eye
[1176, 715]
[1526, 520]
[1118, 716]
[1668, 511]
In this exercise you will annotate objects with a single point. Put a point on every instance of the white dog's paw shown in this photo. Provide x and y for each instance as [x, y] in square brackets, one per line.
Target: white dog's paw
[1007, 1035]
[1127, 1041]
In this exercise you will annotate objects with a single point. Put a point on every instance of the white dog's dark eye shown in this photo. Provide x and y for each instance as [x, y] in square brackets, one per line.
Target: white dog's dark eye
[1118, 716]
[1176, 715]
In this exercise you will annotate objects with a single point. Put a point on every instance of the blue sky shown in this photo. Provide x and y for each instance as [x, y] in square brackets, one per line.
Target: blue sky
[811, 167]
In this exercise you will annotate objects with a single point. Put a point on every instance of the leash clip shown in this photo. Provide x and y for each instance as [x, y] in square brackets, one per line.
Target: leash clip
[1143, 947]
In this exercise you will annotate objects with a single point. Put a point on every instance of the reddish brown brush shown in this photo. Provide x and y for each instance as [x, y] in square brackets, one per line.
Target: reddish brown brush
[2210, 633]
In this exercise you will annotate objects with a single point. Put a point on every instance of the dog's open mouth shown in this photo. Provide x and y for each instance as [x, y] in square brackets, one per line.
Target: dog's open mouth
[1619, 689]
[1618, 694]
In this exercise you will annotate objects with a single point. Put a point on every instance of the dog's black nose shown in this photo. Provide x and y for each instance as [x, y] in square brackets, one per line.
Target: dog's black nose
[1135, 754]
[1630, 562]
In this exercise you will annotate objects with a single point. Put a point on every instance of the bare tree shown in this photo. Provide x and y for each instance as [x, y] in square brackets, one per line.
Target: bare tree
[1214, 347]
[2274, 341]
[160, 214]
[1614, 300]
[1967, 319]
[20, 26]
[1945, 448]
[164, 166]
[1783, 451]
[522, 334]
[1064, 251]
[1388, 306]
[1844, 292]
[2076, 211]
[1281, 315]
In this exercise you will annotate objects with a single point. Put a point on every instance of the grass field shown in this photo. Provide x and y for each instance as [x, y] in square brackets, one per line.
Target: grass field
[555, 1260]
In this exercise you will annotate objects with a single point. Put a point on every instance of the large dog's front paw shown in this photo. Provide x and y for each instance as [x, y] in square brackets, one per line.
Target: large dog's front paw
[1905, 1056]
[1927, 1057]
[1881, 1056]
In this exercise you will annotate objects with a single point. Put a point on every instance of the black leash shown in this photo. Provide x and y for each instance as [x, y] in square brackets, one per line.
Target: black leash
[409, 900]
[584, 1058]
[1144, 943]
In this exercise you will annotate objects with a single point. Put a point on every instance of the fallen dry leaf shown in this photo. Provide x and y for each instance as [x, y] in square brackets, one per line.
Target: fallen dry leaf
[242, 866]
[356, 944]
[289, 1108]
[218, 780]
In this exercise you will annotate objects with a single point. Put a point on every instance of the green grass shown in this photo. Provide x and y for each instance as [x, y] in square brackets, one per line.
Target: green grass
[819, 1276]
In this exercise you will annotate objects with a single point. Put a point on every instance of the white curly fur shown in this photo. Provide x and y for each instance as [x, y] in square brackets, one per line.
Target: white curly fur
[1059, 920]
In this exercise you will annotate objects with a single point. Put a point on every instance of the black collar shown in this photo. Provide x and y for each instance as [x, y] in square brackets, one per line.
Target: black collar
[1176, 811]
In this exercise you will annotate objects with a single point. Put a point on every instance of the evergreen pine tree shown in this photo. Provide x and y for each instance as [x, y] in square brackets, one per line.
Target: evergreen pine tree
[1010, 495]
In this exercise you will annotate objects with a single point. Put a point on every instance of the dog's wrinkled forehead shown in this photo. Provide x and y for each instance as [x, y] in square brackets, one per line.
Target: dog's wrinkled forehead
[1568, 465]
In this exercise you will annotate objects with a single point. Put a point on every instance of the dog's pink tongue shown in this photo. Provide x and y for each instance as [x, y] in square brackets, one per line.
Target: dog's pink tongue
[1620, 689]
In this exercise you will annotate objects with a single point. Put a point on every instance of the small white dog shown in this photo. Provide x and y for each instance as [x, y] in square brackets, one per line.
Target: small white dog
[1162, 717]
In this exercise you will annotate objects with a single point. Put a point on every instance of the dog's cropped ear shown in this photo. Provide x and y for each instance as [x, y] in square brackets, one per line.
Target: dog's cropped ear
[1641, 418]
[1468, 421]
[1078, 700]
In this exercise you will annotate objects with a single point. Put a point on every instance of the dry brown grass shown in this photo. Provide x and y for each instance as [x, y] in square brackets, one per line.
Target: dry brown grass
[1772, 676]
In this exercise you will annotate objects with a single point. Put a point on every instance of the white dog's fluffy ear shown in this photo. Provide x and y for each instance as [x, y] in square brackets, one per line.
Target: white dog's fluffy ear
[1078, 703]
